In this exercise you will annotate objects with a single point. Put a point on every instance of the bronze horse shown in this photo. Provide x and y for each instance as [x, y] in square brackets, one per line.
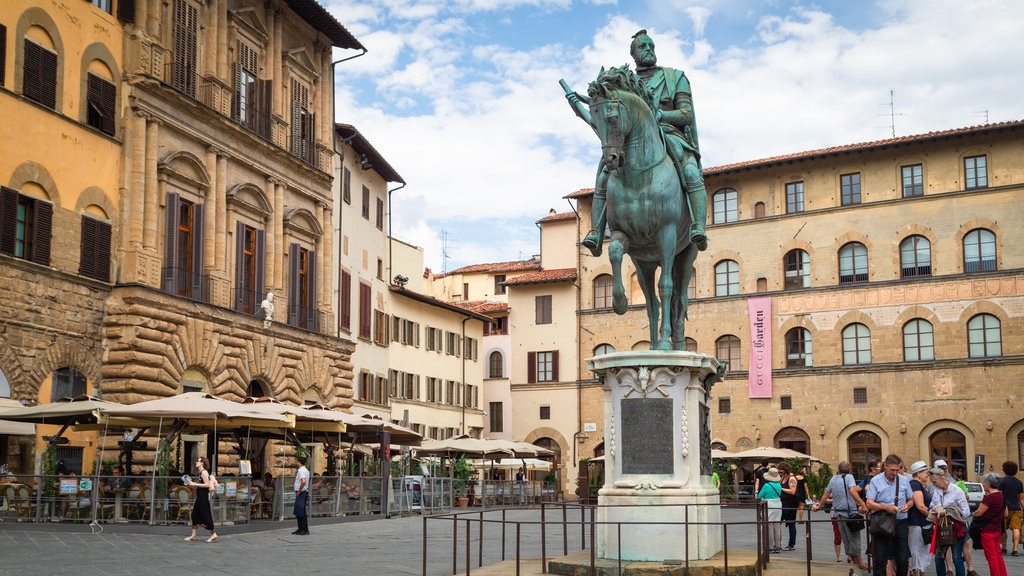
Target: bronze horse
[646, 206]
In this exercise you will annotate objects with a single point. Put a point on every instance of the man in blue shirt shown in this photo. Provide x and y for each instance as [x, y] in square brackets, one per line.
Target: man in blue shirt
[889, 492]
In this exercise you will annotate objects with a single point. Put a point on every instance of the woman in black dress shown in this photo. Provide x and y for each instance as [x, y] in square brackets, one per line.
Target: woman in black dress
[202, 508]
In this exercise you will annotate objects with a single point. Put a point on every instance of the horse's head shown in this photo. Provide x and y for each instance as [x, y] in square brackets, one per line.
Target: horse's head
[616, 97]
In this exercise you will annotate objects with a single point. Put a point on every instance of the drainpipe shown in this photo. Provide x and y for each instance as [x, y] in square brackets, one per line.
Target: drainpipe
[464, 320]
[391, 272]
[579, 343]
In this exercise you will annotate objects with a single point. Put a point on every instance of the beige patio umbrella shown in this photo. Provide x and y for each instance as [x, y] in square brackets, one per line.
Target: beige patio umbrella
[459, 445]
[11, 427]
[771, 453]
[200, 409]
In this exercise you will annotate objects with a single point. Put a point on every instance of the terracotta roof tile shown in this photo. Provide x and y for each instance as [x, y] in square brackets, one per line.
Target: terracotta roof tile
[483, 306]
[558, 217]
[513, 266]
[861, 147]
[543, 276]
[581, 193]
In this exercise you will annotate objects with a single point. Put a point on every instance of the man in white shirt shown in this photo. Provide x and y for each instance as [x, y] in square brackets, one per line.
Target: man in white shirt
[301, 497]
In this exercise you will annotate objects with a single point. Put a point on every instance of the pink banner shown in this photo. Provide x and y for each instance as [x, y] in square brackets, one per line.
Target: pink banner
[759, 310]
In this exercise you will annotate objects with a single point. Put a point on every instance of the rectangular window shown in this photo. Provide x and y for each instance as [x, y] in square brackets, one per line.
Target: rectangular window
[94, 260]
[975, 172]
[104, 5]
[183, 248]
[346, 186]
[849, 188]
[913, 180]
[724, 405]
[252, 97]
[496, 417]
[785, 402]
[186, 42]
[39, 79]
[365, 310]
[380, 323]
[366, 203]
[542, 366]
[302, 282]
[345, 314]
[25, 226]
[380, 214]
[860, 395]
[794, 197]
[102, 97]
[542, 305]
[303, 124]
[250, 267]
[545, 413]
[499, 284]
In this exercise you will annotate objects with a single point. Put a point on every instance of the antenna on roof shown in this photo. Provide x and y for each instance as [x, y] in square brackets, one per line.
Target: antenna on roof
[444, 251]
[982, 113]
[892, 112]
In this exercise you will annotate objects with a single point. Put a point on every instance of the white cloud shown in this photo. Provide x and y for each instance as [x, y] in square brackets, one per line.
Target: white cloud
[482, 133]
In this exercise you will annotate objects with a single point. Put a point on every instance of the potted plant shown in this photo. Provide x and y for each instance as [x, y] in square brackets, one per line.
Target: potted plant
[462, 472]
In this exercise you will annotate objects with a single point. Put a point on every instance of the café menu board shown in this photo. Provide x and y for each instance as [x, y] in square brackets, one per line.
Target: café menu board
[646, 436]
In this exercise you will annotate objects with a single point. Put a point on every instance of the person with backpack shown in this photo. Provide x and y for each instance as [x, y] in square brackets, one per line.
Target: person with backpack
[202, 508]
[771, 493]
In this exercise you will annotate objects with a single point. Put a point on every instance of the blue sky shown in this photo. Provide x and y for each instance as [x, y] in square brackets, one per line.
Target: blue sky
[462, 96]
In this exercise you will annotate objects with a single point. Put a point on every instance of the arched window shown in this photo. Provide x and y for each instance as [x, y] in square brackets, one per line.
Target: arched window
[691, 344]
[798, 348]
[856, 344]
[797, 264]
[759, 210]
[728, 348]
[793, 438]
[256, 389]
[67, 383]
[915, 257]
[979, 251]
[984, 337]
[863, 447]
[495, 365]
[725, 206]
[603, 291]
[950, 445]
[918, 341]
[603, 349]
[853, 263]
[727, 278]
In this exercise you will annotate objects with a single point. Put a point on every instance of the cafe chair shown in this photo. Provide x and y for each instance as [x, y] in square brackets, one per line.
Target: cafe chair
[183, 496]
[25, 507]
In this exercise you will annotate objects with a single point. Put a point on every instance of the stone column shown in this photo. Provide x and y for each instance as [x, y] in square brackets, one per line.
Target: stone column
[210, 59]
[222, 41]
[220, 194]
[279, 274]
[321, 248]
[271, 225]
[135, 211]
[150, 216]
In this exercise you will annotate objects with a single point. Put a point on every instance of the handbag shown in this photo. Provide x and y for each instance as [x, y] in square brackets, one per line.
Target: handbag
[946, 533]
[927, 532]
[883, 522]
[855, 521]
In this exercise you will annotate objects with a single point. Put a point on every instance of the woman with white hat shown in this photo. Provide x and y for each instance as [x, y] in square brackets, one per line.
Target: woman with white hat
[917, 518]
[771, 492]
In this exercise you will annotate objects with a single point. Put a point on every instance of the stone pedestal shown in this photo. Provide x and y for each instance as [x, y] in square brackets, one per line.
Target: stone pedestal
[657, 456]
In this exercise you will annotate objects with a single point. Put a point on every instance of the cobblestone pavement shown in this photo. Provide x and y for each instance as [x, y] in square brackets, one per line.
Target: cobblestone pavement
[357, 546]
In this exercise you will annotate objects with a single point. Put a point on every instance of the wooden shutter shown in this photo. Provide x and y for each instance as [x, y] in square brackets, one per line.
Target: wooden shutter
[102, 96]
[198, 240]
[94, 261]
[293, 284]
[171, 242]
[236, 100]
[3, 54]
[261, 263]
[531, 367]
[126, 10]
[40, 74]
[41, 229]
[186, 34]
[8, 219]
[311, 285]
[296, 118]
[264, 98]
[554, 366]
[346, 300]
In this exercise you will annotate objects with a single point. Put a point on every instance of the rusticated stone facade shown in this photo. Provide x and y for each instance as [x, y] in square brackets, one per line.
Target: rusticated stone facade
[153, 338]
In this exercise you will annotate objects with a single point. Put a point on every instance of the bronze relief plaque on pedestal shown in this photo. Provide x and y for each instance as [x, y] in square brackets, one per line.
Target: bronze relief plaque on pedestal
[647, 437]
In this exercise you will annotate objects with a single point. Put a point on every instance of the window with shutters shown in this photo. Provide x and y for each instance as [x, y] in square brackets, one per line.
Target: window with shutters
[251, 106]
[94, 260]
[380, 214]
[345, 313]
[250, 267]
[186, 46]
[25, 226]
[183, 250]
[542, 366]
[542, 305]
[303, 124]
[302, 287]
[495, 412]
[365, 311]
[67, 383]
[380, 333]
[39, 78]
[366, 203]
[101, 100]
[346, 186]
[496, 365]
